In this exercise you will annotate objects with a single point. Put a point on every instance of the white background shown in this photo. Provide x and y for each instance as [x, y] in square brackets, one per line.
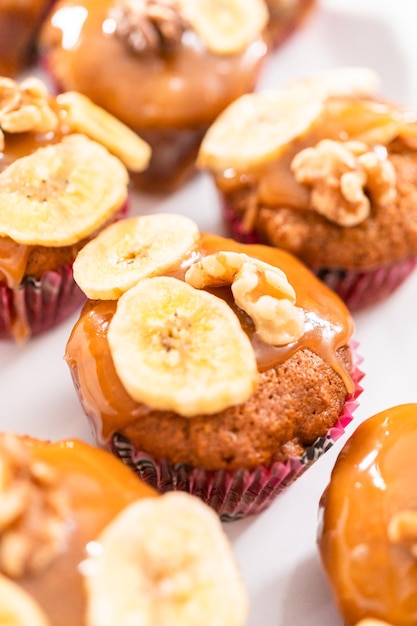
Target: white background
[276, 550]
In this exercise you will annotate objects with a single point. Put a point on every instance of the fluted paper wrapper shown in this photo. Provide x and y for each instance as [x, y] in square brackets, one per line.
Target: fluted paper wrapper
[362, 289]
[238, 493]
[38, 305]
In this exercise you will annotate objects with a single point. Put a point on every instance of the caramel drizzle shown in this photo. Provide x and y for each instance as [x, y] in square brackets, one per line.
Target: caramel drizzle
[329, 327]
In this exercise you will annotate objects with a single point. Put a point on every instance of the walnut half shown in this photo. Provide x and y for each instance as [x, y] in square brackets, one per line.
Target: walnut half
[33, 510]
[342, 177]
[149, 26]
[25, 107]
[259, 289]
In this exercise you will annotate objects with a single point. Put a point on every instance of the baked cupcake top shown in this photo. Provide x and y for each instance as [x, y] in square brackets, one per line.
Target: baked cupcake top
[323, 168]
[63, 171]
[198, 56]
[76, 523]
[368, 521]
[192, 322]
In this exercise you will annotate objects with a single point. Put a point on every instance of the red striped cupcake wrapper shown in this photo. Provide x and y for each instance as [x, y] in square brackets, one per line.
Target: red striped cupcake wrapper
[239, 493]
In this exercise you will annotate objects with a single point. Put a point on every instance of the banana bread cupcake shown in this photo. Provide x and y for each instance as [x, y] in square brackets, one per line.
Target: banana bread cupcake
[367, 536]
[209, 366]
[19, 26]
[61, 179]
[326, 170]
[166, 68]
[83, 541]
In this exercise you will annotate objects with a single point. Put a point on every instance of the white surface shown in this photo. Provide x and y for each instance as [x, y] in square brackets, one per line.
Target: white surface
[276, 549]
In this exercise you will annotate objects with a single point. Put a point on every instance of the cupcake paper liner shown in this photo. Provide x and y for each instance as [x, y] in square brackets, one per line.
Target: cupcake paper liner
[235, 494]
[360, 289]
[37, 305]
[357, 288]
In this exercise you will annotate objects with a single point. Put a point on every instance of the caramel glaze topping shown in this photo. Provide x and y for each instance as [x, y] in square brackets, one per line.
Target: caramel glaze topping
[328, 326]
[374, 122]
[197, 84]
[98, 487]
[368, 531]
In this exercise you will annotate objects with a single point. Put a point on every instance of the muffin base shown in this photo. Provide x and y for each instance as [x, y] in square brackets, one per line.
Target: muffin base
[358, 289]
[172, 164]
[234, 494]
[37, 305]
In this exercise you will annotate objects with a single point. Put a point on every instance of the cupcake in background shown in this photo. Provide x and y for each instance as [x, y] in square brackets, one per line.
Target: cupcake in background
[62, 178]
[84, 541]
[166, 68]
[20, 22]
[367, 536]
[285, 17]
[327, 170]
[208, 366]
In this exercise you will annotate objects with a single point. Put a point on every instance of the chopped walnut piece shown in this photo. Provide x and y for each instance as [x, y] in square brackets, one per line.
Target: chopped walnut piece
[33, 510]
[149, 26]
[341, 175]
[25, 107]
[259, 289]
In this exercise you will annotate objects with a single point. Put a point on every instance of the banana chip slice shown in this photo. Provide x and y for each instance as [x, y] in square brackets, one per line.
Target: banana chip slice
[165, 561]
[226, 26]
[133, 249]
[257, 127]
[60, 193]
[17, 608]
[179, 349]
[83, 116]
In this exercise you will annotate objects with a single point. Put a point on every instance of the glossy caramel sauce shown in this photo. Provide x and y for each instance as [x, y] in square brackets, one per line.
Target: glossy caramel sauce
[186, 89]
[374, 478]
[98, 487]
[328, 326]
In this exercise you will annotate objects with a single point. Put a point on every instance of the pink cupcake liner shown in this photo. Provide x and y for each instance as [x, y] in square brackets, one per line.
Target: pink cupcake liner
[357, 288]
[233, 223]
[360, 289]
[37, 305]
[239, 493]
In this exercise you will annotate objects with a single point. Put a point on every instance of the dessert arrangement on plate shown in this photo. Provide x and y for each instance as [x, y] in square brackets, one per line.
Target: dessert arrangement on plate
[213, 369]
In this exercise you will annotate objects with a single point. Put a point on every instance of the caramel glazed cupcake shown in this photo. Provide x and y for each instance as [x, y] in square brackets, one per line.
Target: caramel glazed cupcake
[209, 366]
[59, 184]
[166, 68]
[367, 537]
[84, 542]
[325, 170]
